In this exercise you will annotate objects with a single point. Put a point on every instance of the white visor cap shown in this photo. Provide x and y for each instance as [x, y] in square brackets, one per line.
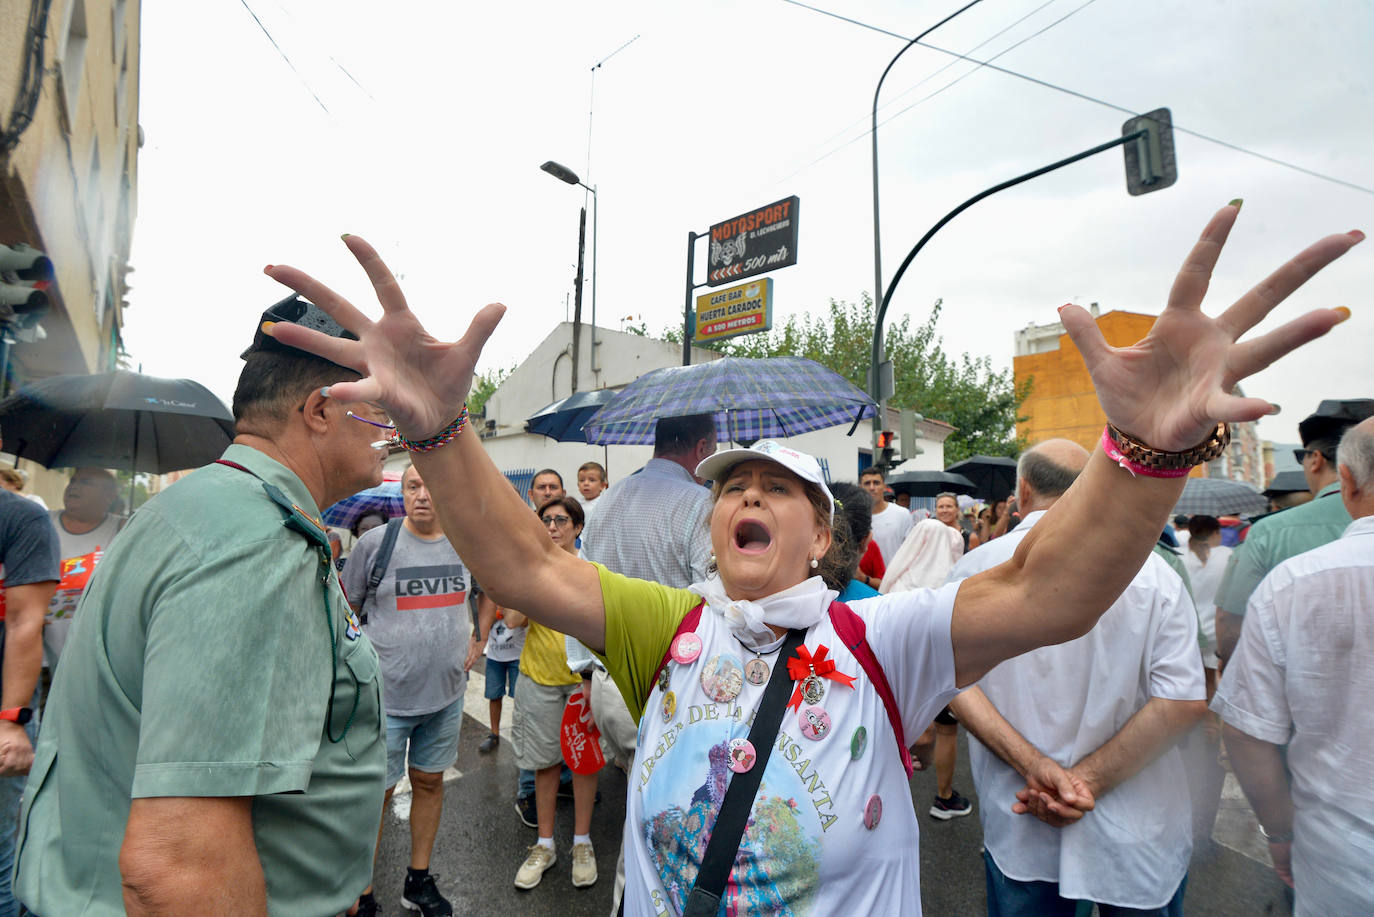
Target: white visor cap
[717, 466]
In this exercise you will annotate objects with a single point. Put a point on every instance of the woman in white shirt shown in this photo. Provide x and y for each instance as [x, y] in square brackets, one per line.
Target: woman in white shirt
[822, 840]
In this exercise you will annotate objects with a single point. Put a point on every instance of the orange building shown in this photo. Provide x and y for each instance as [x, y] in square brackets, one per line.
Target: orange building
[1062, 401]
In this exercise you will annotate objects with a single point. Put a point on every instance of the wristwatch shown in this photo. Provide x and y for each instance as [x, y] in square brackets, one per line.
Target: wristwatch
[20, 715]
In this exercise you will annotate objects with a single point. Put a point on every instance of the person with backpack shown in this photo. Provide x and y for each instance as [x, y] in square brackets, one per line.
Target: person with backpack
[410, 588]
[765, 777]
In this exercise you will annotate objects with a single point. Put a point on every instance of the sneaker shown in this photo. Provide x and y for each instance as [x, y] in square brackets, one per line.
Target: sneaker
[584, 865]
[524, 807]
[536, 864]
[953, 807]
[367, 907]
[421, 894]
[489, 743]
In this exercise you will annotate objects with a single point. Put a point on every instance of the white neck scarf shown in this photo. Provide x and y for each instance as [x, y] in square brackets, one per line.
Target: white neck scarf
[800, 606]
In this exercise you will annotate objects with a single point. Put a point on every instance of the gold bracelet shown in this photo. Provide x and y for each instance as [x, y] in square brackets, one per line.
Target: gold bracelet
[1146, 457]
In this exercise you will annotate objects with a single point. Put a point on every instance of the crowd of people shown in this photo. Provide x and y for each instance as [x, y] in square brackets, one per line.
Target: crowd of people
[232, 703]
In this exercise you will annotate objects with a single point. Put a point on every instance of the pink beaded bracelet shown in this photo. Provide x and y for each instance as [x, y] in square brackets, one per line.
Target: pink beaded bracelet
[442, 438]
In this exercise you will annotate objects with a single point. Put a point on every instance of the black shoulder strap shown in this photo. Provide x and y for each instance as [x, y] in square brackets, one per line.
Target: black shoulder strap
[379, 563]
[721, 850]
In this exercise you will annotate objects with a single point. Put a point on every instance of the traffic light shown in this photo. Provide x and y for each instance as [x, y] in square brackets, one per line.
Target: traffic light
[25, 275]
[885, 451]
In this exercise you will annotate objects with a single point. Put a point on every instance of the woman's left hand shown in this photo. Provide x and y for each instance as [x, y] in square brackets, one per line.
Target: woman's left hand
[1172, 388]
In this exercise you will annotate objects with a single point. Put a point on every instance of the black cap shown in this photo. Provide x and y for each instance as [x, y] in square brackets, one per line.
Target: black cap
[297, 311]
[1333, 417]
[1287, 482]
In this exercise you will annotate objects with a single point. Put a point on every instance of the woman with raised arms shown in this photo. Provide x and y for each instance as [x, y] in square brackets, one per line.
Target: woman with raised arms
[831, 828]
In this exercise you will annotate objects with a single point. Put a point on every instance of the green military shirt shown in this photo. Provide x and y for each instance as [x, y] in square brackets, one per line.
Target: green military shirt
[202, 662]
[1276, 538]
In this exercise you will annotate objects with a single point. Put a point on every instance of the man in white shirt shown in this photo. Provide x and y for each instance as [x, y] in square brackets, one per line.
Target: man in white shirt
[1086, 725]
[890, 522]
[84, 526]
[1300, 677]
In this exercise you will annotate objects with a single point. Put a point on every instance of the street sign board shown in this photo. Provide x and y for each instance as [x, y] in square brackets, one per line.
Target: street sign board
[752, 243]
[726, 313]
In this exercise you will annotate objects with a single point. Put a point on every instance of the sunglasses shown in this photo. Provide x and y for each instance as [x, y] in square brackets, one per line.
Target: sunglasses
[1302, 454]
[559, 521]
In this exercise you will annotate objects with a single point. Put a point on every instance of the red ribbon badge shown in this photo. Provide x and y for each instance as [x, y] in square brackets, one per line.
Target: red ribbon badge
[805, 665]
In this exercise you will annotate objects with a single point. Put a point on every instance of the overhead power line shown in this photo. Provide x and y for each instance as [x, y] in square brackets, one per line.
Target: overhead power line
[284, 57]
[1274, 160]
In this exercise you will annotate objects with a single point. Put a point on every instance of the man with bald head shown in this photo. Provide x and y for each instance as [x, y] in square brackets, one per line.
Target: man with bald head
[1300, 678]
[1084, 796]
[84, 526]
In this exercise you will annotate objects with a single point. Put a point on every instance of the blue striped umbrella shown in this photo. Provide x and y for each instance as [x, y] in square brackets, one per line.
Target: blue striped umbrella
[751, 400]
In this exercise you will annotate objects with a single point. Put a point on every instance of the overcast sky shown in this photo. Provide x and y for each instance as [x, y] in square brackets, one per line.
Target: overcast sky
[421, 126]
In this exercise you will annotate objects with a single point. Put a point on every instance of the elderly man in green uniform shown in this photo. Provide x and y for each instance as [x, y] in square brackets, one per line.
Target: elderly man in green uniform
[1286, 534]
[214, 741]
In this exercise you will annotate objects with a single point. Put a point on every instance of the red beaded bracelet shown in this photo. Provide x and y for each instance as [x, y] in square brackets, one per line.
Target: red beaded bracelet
[442, 438]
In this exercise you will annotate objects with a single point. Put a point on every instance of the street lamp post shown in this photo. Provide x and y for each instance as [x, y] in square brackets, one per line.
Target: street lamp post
[564, 174]
[880, 415]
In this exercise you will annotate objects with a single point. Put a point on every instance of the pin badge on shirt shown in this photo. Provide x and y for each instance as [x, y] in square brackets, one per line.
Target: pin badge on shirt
[722, 678]
[742, 755]
[814, 722]
[873, 812]
[685, 648]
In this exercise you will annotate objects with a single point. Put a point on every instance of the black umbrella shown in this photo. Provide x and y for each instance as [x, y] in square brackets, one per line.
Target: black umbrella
[994, 476]
[119, 419]
[562, 421]
[930, 483]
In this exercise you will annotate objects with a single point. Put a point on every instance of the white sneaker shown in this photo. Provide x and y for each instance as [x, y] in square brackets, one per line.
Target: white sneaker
[584, 865]
[536, 864]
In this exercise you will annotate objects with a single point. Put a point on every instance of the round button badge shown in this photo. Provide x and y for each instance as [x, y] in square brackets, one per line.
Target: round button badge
[873, 812]
[722, 677]
[742, 755]
[669, 706]
[814, 722]
[858, 743]
[685, 649]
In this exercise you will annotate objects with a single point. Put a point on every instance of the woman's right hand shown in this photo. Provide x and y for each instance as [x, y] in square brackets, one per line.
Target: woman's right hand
[421, 382]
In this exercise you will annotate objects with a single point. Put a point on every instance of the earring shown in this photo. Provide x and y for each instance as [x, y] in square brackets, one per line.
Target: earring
[815, 563]
[711, 566]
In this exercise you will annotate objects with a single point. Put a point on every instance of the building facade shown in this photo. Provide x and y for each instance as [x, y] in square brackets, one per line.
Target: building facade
[69, 141]
[1063, 403]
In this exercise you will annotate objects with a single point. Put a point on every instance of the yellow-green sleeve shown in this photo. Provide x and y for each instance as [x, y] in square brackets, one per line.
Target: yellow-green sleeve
[641, 618]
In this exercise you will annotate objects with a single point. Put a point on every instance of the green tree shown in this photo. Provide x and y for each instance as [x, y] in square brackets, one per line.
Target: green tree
[969, 393]
[483, 384]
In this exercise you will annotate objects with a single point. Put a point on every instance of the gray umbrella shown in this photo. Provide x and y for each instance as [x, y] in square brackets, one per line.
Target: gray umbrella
[1220, 497]
[120, 419]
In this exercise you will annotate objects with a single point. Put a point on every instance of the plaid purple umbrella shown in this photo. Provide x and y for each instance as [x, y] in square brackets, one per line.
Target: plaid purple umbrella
[751, 399]
[385, 499]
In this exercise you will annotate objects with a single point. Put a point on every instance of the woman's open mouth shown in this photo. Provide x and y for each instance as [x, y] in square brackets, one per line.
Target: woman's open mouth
[752, 537]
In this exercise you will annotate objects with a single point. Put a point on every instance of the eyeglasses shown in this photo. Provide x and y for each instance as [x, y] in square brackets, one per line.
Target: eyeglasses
[385, 426]
[558, 521]
[388, 426]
